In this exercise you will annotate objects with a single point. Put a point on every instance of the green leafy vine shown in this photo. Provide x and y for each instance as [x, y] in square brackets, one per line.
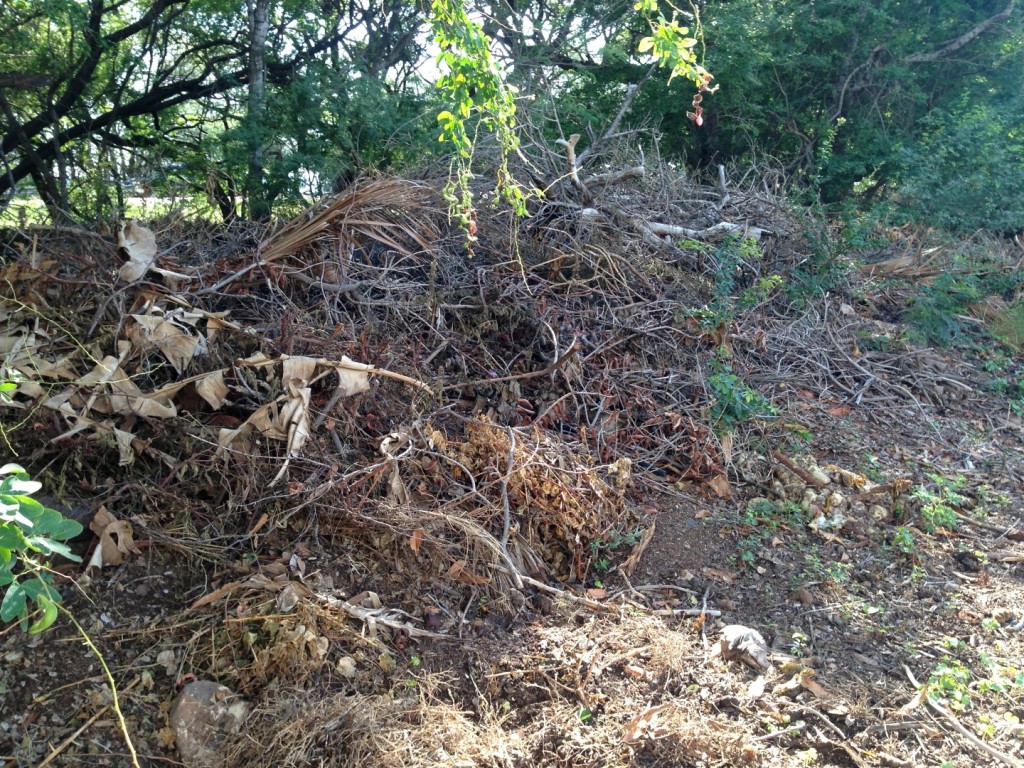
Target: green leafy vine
[480, 98]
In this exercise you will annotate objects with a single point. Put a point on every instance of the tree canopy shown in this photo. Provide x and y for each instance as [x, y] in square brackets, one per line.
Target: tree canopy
[274, 101]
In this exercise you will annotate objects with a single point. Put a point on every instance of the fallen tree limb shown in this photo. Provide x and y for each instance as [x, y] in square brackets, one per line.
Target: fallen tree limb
[722, 227]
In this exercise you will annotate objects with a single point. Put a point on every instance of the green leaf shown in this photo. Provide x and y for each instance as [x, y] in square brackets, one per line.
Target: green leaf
[8, 386]
[51, 547]
[8, 469]
[49, 615]
[13, 606]
[19, 484]
[12, 513]
[645, 44]
[11, 536]
[37, 587]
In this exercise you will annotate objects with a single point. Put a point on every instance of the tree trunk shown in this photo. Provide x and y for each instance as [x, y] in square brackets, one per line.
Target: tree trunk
[255, 187]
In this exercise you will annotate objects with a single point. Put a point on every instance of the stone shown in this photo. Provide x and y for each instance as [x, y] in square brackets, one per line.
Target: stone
[202, 716]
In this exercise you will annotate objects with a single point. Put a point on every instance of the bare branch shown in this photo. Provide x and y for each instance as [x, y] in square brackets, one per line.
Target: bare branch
[964, 39]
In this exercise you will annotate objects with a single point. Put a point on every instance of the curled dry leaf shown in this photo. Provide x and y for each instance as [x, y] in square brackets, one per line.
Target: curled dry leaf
[139, 243]
[743, 644]
[288, 598]
[174, 334]
[415, 540]
[116, 540]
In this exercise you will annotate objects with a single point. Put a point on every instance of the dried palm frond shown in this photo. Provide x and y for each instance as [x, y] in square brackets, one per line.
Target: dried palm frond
[390, 211]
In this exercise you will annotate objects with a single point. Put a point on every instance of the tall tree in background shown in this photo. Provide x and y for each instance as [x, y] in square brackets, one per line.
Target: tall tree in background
[259, 28]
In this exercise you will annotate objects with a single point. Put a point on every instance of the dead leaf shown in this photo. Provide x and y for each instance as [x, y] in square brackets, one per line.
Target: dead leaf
[397, 491]
[720, 575]
[459, 573]
[415, 539]
[178, 343]
[646, 725]
[835, 706]
[140, 245]
[919, 698]
[597, 593]
[217, 594]
[720, 486]
[288, 598]
[115, 539]
[756, 689]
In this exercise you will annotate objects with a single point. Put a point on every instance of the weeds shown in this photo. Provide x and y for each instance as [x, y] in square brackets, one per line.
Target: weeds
[938, 506]
[734, 401]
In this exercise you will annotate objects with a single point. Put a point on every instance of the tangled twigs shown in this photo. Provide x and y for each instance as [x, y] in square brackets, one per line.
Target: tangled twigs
[592, 604]
[572, 350]
[388, 617]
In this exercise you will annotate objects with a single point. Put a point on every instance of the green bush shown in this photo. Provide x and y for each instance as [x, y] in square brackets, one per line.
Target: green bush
[964, 174]
[27, 529]
[734, 400]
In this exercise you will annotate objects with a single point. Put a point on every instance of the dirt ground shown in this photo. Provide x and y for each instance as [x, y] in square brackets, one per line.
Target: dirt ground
[869, 551]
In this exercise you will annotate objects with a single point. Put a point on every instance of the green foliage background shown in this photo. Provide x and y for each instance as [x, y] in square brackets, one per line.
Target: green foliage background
[872, 104]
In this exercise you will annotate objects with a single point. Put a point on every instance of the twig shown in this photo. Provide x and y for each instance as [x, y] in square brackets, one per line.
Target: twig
[776, 734]
[114, 703]
[593, 604]
[572, 350]
[570, 156]
[797, 470]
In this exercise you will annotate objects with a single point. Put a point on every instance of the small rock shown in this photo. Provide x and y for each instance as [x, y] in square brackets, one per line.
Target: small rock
[346, 667]
[819, 475]
[202, 715]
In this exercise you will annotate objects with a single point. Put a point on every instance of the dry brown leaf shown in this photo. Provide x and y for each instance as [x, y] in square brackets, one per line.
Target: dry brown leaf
[459, 573]
[353, 377]
[212, 389]
[821, 693]
[288, 598]
[217, 594]
[415, 540]
[178, 343]
[919, 698]
[115, 538]
[720, 575]
[720, 486]
[397, 491]
[140, 245]
[646, 725]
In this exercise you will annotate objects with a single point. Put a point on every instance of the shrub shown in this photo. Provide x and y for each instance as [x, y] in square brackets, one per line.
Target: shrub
[28, 529]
